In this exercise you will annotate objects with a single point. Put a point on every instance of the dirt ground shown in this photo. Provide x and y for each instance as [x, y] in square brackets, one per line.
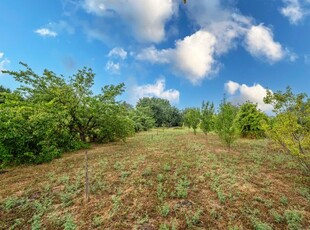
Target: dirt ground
[173, 180]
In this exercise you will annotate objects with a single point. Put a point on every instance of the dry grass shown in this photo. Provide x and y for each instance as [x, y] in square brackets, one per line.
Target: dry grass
[174, 180]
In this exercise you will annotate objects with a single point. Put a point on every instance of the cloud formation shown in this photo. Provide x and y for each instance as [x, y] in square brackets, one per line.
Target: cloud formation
[294, 10]
[45, 32]
[197, 57]
[192, 57]
[118, 52]
[147, 18]
[156, 90]
[260, 43]
[112, 67]
[240, 93]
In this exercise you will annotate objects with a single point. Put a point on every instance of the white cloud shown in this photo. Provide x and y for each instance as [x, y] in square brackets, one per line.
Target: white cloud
[113, 67]
[192, 56]
[3, 62]
[156, 90]
[260, 43]
[118, 52]
[45, 32]
[153, 55]
[231, 87]
[293, 11]
[146, 17]
[52, 29]
[243, 93]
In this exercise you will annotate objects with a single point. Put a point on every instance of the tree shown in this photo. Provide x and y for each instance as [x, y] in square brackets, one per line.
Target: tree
[290, 128]
[225, 124]
[47, 116]
[160, 109]
[207, 117]
[142, 119]
[250, 121]
[192, 118]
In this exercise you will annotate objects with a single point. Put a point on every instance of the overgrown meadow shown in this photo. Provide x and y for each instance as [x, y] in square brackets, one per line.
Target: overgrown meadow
[160, 179]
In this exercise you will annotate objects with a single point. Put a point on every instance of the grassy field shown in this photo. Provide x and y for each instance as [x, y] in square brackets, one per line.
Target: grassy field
[173, 180]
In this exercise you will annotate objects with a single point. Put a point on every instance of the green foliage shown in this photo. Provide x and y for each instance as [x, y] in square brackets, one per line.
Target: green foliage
[142, 118]
[191, 118]
[250, 121]
[47, 116]
[207, 117]
[225, 123]
[293, 219]
[3, 92]
[290, 128]
[161, 111]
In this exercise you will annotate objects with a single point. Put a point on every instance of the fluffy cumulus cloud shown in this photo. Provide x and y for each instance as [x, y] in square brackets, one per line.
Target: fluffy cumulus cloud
[260, 43]
[112, 67]
[156, 90]
[197, 56]
[118, 52]
[3, 62]
[240, 93]
[231, 87]
[191, 57]
[295, 10]
[194, 56]
[45, 32]
[146, 17]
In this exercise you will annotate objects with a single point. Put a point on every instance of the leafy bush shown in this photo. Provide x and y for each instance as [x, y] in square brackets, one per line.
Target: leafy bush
[47, 116]
[250, 121]
[290, 127]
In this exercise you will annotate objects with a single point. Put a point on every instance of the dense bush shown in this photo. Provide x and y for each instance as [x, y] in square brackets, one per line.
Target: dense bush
[250, 121]
[47, 116]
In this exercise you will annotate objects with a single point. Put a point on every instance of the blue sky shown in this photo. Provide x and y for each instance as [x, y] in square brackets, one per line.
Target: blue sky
[163, 48]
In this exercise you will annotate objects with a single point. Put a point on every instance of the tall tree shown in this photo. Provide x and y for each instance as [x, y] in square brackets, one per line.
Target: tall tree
[161, 110]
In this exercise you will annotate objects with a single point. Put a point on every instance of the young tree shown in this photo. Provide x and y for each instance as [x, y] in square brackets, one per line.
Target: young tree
[192, 118]
[207, 117]
[250, 121]
[290, 128]
[225, 124]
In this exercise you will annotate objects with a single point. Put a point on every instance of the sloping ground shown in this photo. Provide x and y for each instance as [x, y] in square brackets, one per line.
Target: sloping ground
[173, 180]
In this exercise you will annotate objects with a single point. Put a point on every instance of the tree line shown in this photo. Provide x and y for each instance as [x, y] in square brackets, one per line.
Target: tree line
[48, 115]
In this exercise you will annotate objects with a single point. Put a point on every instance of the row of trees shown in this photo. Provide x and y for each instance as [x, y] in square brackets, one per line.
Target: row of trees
[48, 115]
[230, 121]
[289, 126]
